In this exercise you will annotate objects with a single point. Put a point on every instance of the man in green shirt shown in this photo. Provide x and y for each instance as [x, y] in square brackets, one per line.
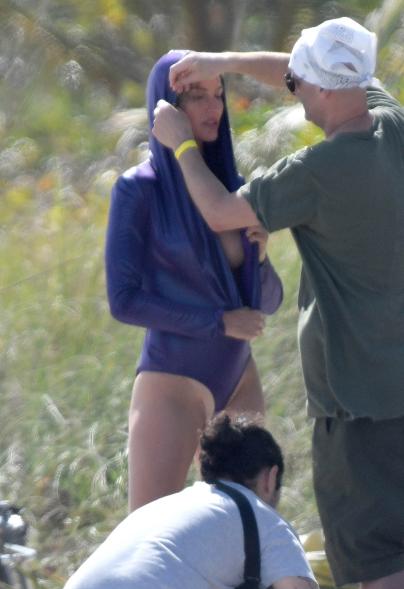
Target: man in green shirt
[343, 201]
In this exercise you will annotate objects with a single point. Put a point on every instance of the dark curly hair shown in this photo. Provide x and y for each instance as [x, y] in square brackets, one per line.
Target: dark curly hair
[238, 449]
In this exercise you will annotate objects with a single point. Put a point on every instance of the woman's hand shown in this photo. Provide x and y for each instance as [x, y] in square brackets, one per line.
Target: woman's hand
[257, 234]
[244, 323]
[171, 125]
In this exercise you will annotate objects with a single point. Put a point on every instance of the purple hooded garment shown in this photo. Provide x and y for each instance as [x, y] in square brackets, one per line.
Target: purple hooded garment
[166, 269]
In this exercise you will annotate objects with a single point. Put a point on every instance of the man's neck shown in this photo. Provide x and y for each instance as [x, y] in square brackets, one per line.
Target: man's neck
[361, 121]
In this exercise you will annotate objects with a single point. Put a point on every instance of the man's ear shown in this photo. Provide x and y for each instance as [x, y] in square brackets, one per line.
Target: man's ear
[273, 493]
[271, 481]
[325, 93]
[265, 486]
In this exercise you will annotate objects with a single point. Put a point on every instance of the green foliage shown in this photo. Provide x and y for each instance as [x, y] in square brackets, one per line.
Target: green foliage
[248, 116]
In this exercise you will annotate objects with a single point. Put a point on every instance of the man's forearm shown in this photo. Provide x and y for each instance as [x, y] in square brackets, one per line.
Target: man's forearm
[266, 66]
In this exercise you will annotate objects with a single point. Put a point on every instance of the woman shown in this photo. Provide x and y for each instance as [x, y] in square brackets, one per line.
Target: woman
[200, 295]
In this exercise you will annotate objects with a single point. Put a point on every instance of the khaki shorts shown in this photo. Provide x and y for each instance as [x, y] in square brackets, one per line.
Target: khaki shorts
[358, 470]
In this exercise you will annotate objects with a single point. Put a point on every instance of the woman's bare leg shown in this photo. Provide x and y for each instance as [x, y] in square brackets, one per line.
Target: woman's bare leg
[166, 415]
[248, 395]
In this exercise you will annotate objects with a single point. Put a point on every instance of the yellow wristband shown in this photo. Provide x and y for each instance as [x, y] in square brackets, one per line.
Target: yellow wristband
[184, 146]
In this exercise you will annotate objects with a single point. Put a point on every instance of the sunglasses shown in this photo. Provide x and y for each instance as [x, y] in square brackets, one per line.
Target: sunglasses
[290, 82]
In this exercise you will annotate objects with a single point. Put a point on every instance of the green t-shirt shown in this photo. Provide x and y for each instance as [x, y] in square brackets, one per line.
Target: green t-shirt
[344, 202]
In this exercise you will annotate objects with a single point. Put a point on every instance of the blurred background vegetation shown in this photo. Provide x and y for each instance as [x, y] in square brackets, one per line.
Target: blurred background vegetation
[72, 81]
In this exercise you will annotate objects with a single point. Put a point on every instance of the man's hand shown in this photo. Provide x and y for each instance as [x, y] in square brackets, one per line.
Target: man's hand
[171, 126]
[244, 323]
[257, 234]
[195, 67]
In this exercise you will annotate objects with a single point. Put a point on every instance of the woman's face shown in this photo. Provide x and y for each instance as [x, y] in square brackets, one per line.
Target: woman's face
[203, 103]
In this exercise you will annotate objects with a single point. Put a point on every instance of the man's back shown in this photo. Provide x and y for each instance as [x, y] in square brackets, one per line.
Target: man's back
[358, 178]
[190, 539]
[343, 199]
[354, 249]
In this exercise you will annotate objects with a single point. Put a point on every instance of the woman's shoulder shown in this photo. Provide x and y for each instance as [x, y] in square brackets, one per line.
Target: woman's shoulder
[137, 182]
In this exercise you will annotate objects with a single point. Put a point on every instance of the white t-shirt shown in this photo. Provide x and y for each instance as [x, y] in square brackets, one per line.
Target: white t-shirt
[191, 539]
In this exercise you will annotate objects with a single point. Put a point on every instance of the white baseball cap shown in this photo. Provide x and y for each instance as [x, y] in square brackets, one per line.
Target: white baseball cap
[338, 53]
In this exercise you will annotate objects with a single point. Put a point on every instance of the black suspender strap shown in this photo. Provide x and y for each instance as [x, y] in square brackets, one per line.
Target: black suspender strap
[252, 566]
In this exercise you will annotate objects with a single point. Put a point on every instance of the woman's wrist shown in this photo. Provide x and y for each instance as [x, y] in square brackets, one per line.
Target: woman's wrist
[184, 146]
[264, 262]
[220, 322]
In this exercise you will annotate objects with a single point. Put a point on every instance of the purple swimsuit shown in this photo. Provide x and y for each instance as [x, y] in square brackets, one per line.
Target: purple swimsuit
[167, 271]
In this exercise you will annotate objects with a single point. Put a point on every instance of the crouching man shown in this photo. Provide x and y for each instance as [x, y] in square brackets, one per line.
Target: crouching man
[194, 538]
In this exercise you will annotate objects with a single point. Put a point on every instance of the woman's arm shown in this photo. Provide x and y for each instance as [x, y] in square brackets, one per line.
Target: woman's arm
[221, 209]
[124, 257]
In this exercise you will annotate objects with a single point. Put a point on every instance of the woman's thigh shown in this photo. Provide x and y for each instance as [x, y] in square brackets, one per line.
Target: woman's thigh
[248, 395]
[166, 415]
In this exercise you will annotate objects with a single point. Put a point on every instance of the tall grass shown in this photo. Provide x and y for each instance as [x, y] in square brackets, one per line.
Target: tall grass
[66, 372]
[66, 375]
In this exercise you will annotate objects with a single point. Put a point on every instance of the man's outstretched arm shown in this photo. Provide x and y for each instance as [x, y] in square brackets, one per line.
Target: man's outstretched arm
[266, 66]
[221, 209]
